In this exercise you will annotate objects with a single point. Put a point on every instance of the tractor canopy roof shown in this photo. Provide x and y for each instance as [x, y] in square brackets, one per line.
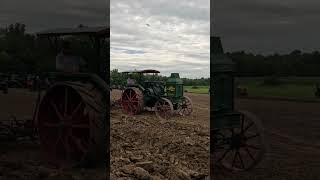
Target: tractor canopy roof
[143, 71]
[89, 31]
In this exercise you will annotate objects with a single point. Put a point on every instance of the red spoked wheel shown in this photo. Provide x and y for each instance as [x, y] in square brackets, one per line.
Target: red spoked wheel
[132, 101]
[70, 125]
[164, 108]
[242, 148]
[185, 107]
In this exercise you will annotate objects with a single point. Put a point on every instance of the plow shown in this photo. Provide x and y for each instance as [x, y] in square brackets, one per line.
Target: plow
[70, 118]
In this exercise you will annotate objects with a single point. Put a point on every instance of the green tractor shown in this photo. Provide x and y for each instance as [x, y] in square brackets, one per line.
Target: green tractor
[165, 99]
[71, 118]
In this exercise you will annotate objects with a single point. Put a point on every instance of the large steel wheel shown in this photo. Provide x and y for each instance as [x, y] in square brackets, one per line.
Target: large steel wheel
[185, 107]
[71, 125]
[132, 101]
[240, 149]
[164, 108]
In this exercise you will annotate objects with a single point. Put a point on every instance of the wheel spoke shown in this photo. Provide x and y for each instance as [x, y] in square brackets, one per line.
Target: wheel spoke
[253, 136]
[242, 122]
[128, 98]
[234, 159]
[57, 143]
[50, 125]
[79, 144]
[130, 107]
[251, 124]
[242, 163]
[56, 110]
[224, 155]
[252, 147]
[76, 109]
[249, 153]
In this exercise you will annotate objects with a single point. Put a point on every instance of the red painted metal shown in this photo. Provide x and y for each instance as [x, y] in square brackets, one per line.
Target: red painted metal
[64, 128]
[132, 101]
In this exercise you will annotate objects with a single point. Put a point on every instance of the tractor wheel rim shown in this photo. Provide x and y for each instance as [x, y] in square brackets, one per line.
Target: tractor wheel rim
[130, 102]
[163, 108]
[60, 135]
[239, 153]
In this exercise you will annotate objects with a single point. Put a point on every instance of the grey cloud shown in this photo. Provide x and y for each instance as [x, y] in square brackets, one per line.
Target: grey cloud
[267, 26]
[175, 39]
[41, 14]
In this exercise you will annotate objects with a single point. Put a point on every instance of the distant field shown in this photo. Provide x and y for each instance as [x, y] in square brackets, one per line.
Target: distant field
[199, 89]
[292, 87]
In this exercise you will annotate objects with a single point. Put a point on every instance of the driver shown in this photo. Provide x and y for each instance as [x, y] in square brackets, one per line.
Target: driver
[130, 80]
[67, 62]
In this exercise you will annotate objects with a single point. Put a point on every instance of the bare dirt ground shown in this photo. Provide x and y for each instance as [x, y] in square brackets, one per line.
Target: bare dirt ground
[144, 146]
[292, 132]
[175, 149]
[22, 160]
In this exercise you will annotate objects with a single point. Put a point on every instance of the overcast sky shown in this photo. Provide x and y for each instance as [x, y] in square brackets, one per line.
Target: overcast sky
[267, 26]
[43, 14]
[168, 35]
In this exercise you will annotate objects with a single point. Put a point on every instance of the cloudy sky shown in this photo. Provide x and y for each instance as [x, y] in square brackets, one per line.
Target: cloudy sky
[168, 35]
[267, 26]
[42, 14]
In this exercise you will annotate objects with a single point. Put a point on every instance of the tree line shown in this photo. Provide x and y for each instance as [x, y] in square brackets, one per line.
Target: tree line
[23, 52]
[296, 63]
[118, 78]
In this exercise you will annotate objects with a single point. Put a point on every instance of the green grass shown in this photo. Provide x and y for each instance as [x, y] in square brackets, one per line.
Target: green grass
[293, 87]
[199, 90]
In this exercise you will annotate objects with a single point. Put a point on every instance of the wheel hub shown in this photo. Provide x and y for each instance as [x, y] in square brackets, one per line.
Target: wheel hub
[237, 142]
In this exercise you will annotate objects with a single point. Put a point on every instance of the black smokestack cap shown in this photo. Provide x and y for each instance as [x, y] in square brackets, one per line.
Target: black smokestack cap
[216, 45]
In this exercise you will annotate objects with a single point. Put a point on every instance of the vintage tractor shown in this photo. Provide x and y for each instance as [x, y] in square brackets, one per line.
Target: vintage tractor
[237, 136]
[71, 118]
[165, 99]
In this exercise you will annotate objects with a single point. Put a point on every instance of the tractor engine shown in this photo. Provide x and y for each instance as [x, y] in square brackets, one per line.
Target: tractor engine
[174, 86]
[153, 90]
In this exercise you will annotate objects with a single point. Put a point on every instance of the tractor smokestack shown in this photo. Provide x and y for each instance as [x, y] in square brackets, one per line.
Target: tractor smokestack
[216, 45]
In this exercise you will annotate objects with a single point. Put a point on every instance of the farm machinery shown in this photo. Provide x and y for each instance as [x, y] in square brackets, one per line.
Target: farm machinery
[237, 136]
[164, 98]
[71, 118]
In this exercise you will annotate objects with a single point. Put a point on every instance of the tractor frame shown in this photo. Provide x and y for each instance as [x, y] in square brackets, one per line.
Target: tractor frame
[71, 118]
[237, 136]
[166, 99]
